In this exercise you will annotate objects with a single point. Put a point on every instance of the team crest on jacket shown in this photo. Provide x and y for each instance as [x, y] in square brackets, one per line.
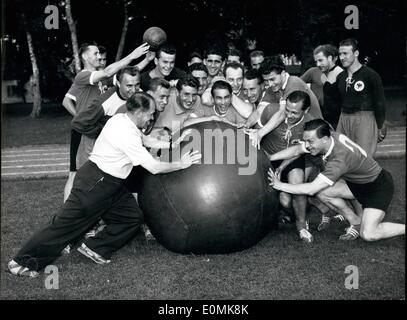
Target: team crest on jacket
[359, 85]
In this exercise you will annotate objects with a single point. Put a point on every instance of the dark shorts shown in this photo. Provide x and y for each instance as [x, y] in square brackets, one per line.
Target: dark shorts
[296, 164]
[376, 194]
[73, 150]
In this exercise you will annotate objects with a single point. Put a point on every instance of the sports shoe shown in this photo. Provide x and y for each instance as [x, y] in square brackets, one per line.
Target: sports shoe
[306, 236]
[339, 217]
[351, 233]
[147, 233]
[15, 269]
[96, 229]
[67, 250]
[92, 255]
[324, 224]
[286, 219]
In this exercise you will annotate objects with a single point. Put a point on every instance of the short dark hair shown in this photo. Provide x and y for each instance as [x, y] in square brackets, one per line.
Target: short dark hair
[233, 65]
[321, 126]
[221, 84]
[139, 100]
[195, 54]
[84, 47]
[327, 50]
[297, 96]
[155, 83]
[131, 70]
[188, 81]
[214, 49]
[351, 42]
[234, 52]
[197, 67]
[168, 48]
[257, 53]
[253, 74]
[102, 49]
[270, 64]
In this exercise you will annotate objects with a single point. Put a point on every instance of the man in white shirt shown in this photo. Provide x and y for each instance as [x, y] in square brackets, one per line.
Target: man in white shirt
[98, 192]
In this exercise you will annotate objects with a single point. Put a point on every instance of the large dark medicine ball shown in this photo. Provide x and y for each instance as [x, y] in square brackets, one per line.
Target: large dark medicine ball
[218, 206]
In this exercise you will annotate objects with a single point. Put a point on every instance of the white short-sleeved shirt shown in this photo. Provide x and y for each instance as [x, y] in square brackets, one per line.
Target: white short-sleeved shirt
[119, 147]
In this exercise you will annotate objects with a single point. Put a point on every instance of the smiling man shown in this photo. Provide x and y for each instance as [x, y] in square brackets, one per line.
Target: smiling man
[200, 72]
[183, 103]
[348, 173]
[214, 61]
[288, 133]
[222, 109]
[164, 67]
[90, 120]
[279, 84]
[362, 99]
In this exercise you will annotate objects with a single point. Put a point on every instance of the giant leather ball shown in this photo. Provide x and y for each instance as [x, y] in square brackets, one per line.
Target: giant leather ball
[222, 205]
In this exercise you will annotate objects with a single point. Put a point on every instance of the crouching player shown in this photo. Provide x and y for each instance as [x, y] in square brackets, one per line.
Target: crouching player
[348, 173]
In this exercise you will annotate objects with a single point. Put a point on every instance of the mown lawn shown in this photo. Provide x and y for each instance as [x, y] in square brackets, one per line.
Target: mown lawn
[279, 267]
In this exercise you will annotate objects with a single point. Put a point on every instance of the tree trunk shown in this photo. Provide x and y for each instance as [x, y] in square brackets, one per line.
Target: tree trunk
[35, 83]
[124, 32]
[74, 39]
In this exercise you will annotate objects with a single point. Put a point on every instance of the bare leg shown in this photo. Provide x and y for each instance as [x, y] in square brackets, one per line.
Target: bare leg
[296, 176]
[334, 197]
[372, 227]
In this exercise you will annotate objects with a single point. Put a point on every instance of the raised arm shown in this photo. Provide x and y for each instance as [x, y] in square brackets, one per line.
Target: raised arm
[113, 68]
[245, 109]
[144, 63]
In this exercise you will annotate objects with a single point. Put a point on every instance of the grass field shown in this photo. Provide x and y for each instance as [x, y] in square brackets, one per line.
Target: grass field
[279, 267]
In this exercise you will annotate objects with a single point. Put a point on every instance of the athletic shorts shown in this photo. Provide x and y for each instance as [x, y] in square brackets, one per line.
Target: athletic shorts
[73, 150]
[376, 194]
[296, 164]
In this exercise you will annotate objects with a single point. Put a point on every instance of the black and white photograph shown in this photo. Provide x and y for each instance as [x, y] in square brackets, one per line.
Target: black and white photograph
[203, 156]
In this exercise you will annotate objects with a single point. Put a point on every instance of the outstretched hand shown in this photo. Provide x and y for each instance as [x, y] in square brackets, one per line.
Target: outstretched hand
[382, 133]
[274, 179]
[141, 50]
[254, 137]
[190, 158]
[182, 137]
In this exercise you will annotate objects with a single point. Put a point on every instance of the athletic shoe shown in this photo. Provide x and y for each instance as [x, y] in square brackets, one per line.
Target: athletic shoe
[67, 250]
[286, 220]
[324, 224]
[306, 236]
[15, 269]
[95, 230]
[339, 217]
[92, 255]
[147, 233]
[352, 233]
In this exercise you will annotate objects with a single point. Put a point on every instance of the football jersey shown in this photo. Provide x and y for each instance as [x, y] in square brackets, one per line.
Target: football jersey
[174, 116]
[345, 159]
[231, 114]
[363, 92]
[88, 120]
[284, 135]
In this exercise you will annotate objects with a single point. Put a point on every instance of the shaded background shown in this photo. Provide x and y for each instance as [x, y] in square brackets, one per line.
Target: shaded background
[291, 26]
